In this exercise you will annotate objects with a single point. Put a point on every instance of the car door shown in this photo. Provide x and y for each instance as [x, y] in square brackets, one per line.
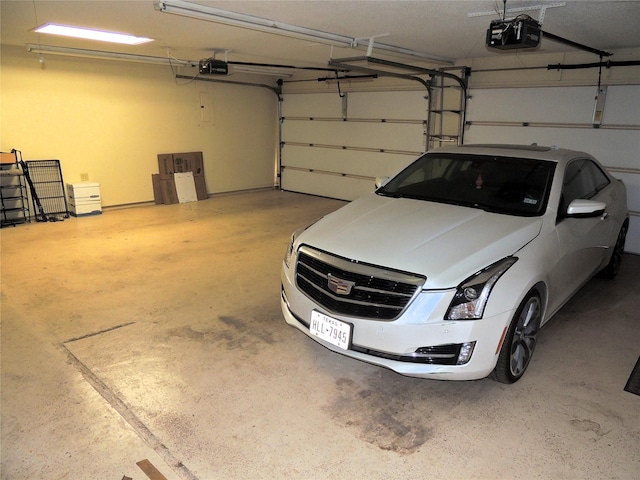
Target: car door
[582, 241]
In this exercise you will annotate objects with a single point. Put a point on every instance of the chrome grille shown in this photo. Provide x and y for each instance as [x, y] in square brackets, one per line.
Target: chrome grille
[370, 292]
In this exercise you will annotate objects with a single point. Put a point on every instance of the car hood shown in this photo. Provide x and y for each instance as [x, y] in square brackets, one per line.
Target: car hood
[445, 243]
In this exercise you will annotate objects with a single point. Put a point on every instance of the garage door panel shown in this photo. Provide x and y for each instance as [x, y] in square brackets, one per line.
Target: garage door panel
[632, 182]
[614, 148]
[344, 188]
[622, 105]
[381, 105]
[559, 105]
[388, 105]
[532, 104]
[312, 105]
[383, 136]
[350, 162]
[633, 236]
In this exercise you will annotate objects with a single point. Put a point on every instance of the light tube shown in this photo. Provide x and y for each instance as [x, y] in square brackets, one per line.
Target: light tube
[90, 34]
[84, 53]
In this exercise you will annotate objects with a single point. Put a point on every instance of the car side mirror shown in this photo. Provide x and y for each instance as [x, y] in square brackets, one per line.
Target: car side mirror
[580, 208]
[381, 181]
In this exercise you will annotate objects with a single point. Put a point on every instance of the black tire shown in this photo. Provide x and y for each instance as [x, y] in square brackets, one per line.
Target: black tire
[613, 267]
[520, 341]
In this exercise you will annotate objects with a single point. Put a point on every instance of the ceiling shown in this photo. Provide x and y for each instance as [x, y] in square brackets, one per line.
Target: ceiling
[450, 29]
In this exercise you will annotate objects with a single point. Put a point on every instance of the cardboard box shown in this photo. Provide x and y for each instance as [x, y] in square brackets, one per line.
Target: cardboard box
[201, 187]
[164, 185]
[157, 188]
[169, 163]
[169, 193]
[165, 163]
[197, 164]
[7, 157]
[164, 189]
[188, 162]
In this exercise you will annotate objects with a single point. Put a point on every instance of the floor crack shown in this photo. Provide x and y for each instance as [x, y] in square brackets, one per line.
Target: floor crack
[100, 332]
[125, 412]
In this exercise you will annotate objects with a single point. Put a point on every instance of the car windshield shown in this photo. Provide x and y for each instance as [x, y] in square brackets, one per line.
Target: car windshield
[507, 185]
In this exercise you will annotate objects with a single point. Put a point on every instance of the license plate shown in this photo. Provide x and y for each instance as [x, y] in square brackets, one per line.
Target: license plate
[334, 331]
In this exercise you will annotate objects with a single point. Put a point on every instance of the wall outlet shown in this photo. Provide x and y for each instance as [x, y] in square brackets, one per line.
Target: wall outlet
[84, 177]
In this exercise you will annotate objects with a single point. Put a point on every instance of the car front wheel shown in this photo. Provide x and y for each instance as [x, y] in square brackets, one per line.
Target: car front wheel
[520, 341]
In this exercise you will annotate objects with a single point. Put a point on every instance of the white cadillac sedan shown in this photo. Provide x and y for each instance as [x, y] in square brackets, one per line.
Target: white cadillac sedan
[449, 269]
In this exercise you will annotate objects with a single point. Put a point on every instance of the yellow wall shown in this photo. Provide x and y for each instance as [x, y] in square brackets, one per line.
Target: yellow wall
[109, 119]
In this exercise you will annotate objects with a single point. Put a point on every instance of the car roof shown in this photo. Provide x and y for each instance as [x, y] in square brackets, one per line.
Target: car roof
[553, 153]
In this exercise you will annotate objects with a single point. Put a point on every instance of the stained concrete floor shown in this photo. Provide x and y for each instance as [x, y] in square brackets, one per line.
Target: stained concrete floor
[154, 333]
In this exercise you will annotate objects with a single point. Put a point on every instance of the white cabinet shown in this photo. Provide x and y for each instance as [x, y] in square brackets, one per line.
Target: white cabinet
[84, 198]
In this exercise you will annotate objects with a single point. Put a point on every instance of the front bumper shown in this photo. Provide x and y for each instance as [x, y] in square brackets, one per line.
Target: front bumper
[392, 344]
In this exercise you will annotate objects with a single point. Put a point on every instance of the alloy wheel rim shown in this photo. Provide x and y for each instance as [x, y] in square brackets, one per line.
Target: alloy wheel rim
[524, 336]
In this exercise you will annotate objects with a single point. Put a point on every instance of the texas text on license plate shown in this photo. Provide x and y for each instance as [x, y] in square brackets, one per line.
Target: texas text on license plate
[334, 331]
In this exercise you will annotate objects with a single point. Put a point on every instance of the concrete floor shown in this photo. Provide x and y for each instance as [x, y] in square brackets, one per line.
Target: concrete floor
[154, 333]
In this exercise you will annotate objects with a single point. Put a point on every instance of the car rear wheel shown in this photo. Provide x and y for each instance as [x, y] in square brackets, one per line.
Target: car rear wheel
[520, 341]
[613, 267]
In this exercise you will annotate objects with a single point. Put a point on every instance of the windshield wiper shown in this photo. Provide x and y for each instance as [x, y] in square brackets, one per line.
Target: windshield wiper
[488, 209]
[388, 194]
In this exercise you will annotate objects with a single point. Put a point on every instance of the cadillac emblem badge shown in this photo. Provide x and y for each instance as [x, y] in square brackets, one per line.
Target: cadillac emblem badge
[339, 286]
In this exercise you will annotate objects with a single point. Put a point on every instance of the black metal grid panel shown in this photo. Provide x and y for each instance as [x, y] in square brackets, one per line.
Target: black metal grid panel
[46, 176]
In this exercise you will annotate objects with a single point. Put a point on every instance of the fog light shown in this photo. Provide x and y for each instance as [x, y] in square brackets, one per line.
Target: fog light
[465, 353]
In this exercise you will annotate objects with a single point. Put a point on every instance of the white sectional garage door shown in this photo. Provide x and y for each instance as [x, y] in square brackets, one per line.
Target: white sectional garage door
[336, 146]
[563, 116]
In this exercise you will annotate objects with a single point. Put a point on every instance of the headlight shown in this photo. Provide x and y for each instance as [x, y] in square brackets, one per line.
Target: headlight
[287, 255]
[472, 294]
[294, 235]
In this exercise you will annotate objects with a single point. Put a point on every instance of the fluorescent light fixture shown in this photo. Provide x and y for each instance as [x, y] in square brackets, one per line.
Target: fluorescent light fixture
[217, 15]
[90, 34]
[129, 57]
[225, 17]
